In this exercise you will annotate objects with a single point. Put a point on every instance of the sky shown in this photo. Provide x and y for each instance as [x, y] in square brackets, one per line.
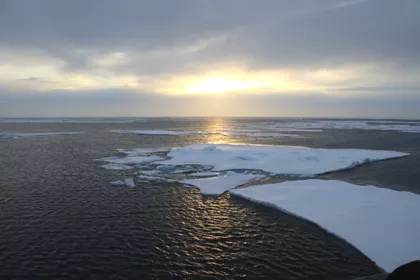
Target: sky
[275, 58]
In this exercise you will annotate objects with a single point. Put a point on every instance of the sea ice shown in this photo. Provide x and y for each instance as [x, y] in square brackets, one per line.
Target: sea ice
[129, 182]
[142, 151]
[274, 159]
[161, 132]
[204, 174]
[116, 166]
[21, 134]
[317, 125]
[263, 134]
[220, 184]
[131, 160]
[382, 223]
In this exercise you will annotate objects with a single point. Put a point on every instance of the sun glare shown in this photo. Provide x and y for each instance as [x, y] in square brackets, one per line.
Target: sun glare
[222, 85]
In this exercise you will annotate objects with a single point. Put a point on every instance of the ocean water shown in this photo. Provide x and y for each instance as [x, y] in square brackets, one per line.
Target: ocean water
[61, 218]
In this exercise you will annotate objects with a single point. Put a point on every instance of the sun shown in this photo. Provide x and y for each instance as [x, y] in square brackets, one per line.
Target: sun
[222, 85]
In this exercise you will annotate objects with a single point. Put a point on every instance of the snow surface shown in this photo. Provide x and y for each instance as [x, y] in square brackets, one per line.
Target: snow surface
[131, 160]
[116, 166]
[218, 185]
[274, 159]
[161, 132]
[382, 223]
[17, 135]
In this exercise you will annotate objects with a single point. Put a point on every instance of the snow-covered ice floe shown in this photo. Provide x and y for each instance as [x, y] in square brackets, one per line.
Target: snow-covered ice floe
[274, 159]
[19, 134]
[382, 223]
[220, 184]
[161, 132]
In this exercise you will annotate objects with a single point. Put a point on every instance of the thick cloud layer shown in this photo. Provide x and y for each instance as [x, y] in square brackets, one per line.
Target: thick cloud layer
[366, 49]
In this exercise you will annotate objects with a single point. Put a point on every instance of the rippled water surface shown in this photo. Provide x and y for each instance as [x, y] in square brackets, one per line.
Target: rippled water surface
[61, 218]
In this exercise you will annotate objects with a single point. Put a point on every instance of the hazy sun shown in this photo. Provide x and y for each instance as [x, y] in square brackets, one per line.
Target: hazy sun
[222, 85]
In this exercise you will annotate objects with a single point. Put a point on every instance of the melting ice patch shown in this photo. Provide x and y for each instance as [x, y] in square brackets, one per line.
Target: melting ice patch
[274, 159]
[381, 223]
[220, 184]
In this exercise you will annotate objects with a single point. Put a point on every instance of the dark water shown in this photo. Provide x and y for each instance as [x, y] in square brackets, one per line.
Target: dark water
[60, 218]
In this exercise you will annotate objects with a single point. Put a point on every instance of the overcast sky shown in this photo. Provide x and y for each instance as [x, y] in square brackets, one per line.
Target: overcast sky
[338, 58]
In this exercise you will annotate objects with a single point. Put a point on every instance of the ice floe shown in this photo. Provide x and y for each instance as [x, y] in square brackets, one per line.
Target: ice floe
[274, 159]
[382, 223]
[220, 184]
[162, 132]
[21, 134]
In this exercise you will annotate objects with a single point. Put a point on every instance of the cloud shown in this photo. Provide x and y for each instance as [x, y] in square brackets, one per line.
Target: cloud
[327, 47]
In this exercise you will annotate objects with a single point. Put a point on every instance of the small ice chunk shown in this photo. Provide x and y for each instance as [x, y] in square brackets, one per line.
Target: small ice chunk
[218, 185]
[381, 223]
[116, 166]
[131, 160]
[118, 183]
[129, 182]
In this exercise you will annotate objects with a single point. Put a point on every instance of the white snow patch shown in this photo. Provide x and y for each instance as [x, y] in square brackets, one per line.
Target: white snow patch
[274, 159]
[116, 166]
[161, 132]
[218, 185]
[382, 223]
[131, 160]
